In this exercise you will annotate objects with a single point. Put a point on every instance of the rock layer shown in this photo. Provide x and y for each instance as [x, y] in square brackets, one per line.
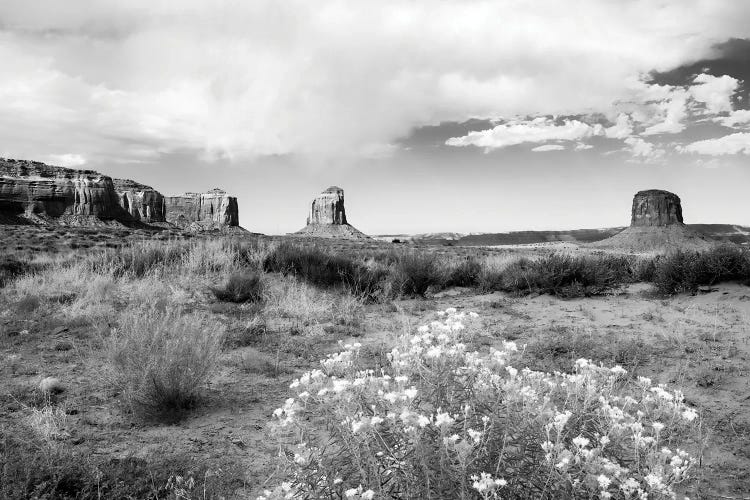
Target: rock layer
[655, 208]
[656, 225]
[211, 210]
[34, 189]
[143, 203]
[327, 217]
[328, 207]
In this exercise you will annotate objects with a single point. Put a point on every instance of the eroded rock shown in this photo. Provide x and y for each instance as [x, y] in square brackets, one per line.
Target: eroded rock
[213, 209]
[655, 207]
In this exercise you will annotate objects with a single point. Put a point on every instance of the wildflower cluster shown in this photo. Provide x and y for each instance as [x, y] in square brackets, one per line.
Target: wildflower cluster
[443, 422]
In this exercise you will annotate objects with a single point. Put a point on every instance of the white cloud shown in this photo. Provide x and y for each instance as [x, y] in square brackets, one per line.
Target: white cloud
[671, 114]
[622, 128]
[518, 132]
[66, 160]
[738, 117]
[581, 146]
[548, 147]
[726, 145]
[643, 150]
[127, 81]
[714, 92]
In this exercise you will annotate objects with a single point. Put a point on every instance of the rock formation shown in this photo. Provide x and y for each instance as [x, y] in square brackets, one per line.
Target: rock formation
[656, 225]
[211, 210]
[143, 203]
[655, 208]
[33, 190]
[328, 207]
[327, 217]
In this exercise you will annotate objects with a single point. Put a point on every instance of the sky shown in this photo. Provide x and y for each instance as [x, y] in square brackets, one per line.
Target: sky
[433, 115]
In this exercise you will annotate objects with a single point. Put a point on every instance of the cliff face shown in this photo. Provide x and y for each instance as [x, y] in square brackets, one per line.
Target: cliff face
[143, 203]
[212, 209]
[655, 208]
[328, 207]
[327, 217]
[33, 188]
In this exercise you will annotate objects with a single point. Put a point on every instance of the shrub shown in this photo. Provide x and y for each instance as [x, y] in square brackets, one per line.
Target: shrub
[10, 268]
[159, 360]
[566, 275]
[466, 273]
[683, 271]
[441, 422]
[241, 288]
[415, 272]
[324, 269]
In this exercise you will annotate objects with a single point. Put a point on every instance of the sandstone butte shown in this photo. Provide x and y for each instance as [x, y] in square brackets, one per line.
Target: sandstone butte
[656, 225]
[211, 210]
[36, 193]
[327, 217]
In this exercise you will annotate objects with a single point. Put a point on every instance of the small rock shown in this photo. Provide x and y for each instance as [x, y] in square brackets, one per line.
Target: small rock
[51, 385]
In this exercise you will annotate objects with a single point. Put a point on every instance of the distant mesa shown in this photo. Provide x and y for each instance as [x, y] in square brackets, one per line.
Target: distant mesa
[213, 209]
[35, 193]
[327, 217]
[656, 225]
[143, 203]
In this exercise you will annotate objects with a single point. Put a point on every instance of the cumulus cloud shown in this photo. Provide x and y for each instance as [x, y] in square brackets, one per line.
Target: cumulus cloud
[541, 129]
[726, 145]
[65, 160]
[642, 150]
[548, 147]
[128, 81]
[714, 92]
[738, 117]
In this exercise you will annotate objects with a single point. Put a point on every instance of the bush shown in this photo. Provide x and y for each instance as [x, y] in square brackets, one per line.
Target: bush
[324, 269]
[415, 272]
[566, 276]
[11, 268]
[241, 288]
[159, 360]
[466, 273]
[683, 271]
[441, 422]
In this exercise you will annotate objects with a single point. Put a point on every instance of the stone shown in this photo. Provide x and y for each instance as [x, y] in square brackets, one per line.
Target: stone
[32, 189]
[656, 208]
[51, 385]
[213, 209]
[328, 207]
[143, 203]
[327, 217]
[656, 225]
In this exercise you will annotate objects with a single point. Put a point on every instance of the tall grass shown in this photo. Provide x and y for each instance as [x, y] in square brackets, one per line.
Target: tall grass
[160, 360]
[683, 271]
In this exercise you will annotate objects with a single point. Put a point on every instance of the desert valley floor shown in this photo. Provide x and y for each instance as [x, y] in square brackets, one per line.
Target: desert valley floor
[57, 326]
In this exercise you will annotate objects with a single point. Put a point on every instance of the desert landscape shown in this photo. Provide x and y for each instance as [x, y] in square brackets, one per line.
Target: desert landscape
[147, 359]
[375, 250]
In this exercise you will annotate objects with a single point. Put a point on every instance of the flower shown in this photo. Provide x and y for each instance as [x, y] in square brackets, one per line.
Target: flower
[603, 481]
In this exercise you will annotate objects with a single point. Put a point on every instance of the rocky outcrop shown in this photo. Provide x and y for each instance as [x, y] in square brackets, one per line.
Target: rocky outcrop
[655, 208]
[656, 225]
[210, 210]
[143, 203]
[328, 207]
[33, 189]
[327, 217]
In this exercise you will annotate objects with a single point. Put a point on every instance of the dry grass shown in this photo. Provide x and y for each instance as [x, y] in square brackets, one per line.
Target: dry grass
[160, 360]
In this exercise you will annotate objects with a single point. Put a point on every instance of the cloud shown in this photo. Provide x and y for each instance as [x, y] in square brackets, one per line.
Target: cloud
[548, 147]
[727, 145]
[671, 114]
[714, 92]
[541, 129]
[622, 128]
[130, 81]
[643, 150]
[738, 117]
[66, 160]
